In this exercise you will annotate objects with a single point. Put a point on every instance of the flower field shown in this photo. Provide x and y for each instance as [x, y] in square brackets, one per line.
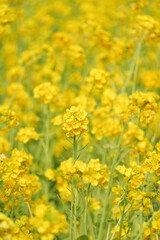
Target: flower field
[79, 120]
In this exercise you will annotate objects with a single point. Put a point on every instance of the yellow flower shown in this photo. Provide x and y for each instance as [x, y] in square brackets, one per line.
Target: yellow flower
[104, 125]
[64, 189]
[67, 169]
[57, 120]
[93, 204]
[26, 134]
[48, 221]
[75, 121]
[80, 167]
[139, 4]
[146, 26]
[97, 174]
[6, 15]
[7, 227]
[151, 163]
[77, 55]
[61, 39]
[158, 146]
[134, 138]
[99, 78]
[137, 176]
[46, 92]
[150, 79]
[9, 117]
[50, 174]
[144, 106]
[4, 145]
[21, 97]
[16, 180]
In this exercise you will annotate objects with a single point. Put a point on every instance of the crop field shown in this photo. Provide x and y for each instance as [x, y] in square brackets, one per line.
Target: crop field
[79, 119]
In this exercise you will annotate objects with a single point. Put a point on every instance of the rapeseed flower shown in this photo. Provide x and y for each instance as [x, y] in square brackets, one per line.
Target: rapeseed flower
[75, 121]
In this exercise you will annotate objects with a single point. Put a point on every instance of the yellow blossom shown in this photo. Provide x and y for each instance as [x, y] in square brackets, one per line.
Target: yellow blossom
[75, 121]
[46, 92]
[26, 134]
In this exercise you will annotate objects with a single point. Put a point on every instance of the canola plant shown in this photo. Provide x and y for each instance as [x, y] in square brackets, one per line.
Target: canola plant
[79, 120]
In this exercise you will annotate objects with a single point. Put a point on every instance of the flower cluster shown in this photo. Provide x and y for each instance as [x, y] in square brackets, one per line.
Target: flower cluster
[7, 227]
[79, 119]
[150, 79]
[26, 134]
[134, 138]
[48, 221]
[6, 15]
[103, 124]
[77, 55]
[152, 164]
[21, 97]
[146, 27]
[98, 78]
[9, 117]
[75, 121]
[139, 4]
[16, 179]
[93, 173]
[144, 106]
[4, 145]
[46, 92]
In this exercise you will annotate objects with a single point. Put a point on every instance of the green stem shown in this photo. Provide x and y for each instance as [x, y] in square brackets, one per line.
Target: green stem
[46, 145]
[149, 221]
[141, 223]
[29, 209]
[20, 80]
[89, 94]
[128, 78]
[123, 211]
[108, 231]
[12, 210]
[104, 156]
[81, 214]
[71, 233]
[16, 89]
[74, 150]
[91, 226]
[136, 65]
[12, 137]
[75, 214]
[121, 222]
[109, 189]
[72, 210]
[109, 225]
[105, 206]
[156, 133]
[118, 225]
[86, 211]
[47, 123]
[157, 238]
[116, 228]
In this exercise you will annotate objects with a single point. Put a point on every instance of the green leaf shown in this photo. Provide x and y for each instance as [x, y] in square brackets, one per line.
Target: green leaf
[83, 237]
